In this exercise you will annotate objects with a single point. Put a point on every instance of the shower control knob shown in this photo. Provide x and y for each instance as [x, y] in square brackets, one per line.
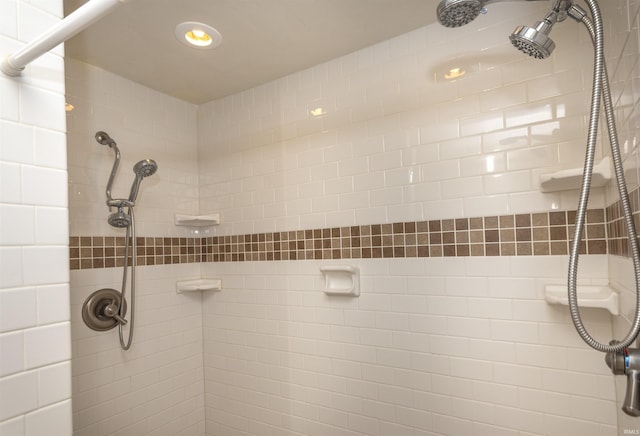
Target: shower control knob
[627, 362]
[112, 311]
[631, 405]
[104, 309]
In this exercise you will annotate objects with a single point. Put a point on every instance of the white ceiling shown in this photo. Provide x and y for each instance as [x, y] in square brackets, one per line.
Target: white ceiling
[262, 39]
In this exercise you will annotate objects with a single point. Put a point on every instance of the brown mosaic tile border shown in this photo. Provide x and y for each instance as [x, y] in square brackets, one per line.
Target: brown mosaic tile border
[536, 234]
[87, 252]
[617, 241]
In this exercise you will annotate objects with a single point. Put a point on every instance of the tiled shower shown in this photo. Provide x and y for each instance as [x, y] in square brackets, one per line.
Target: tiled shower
[428, 186]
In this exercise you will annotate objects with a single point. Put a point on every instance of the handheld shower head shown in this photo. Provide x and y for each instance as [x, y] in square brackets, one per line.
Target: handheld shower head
[456, 13]
[145, 168]
[142, 169]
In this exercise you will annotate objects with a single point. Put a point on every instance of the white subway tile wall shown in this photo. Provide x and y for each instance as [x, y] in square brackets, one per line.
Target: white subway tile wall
[473, 146]
[35, 352]
[145, 125]
[457, 349]
[157, 387]
[435, 346]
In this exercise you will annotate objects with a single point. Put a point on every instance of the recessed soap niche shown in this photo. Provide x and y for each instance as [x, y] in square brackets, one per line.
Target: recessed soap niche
[341, 280]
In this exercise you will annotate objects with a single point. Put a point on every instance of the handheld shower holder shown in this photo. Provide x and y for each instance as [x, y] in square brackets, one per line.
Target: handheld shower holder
[120, 203]
[627, 362]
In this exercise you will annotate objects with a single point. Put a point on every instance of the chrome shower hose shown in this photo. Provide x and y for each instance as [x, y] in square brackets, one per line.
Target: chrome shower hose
[130, 241]
[600, 93]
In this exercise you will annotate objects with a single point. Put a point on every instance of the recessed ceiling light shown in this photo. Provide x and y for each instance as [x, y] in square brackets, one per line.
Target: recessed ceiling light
[454, 73]
[318, 112]
[198, 35]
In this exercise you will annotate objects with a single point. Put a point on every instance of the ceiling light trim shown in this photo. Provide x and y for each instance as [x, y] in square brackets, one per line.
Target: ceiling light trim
[198, 35]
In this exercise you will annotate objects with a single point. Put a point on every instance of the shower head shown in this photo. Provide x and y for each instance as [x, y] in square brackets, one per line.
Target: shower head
[119, 219]
[456, 13]
[104, 139]
[534, 41]
[142, 169]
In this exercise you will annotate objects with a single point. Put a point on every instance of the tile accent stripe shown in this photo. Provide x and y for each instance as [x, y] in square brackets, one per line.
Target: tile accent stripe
[87, 252]
[536, 234]
[616, 229]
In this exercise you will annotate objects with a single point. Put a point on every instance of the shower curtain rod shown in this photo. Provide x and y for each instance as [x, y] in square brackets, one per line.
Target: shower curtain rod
[78, 20]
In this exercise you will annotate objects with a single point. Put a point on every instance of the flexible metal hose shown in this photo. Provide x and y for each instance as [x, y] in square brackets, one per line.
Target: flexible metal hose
[130, 241]
[601, 92]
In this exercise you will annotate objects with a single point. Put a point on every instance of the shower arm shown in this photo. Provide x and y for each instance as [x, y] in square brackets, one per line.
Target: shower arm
[112, 176]
[78, 20]
[563, 9]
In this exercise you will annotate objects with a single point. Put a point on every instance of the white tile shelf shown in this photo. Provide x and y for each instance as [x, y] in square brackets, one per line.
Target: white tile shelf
[198, 285]
[572, 178]
[602, 297]
[197, 220]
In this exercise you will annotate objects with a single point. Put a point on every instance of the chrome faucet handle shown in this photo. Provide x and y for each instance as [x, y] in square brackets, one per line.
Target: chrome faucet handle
[631, 405]
[627, 362]
[112, 311]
